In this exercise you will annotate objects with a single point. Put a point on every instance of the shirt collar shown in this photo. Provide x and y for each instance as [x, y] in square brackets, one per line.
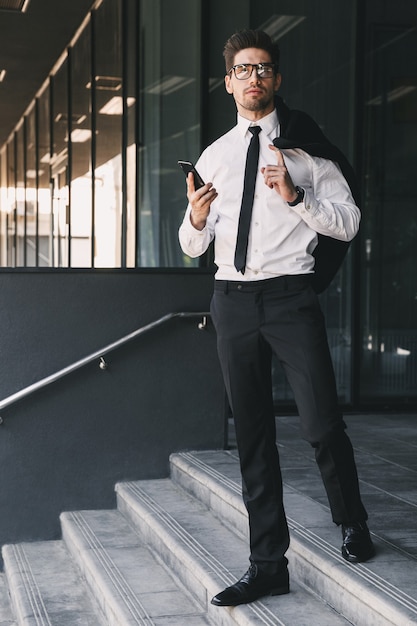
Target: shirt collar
[269, 124]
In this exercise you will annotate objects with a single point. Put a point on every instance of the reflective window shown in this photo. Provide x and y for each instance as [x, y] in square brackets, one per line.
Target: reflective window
[131, 80]
[389, 230]
[31, 185]
[93, 172]
[20, 202]
[11, 221]
[169, 111]
[59, 169]
[3, 207]
[109, 116]
[80, 133]
[45, 157]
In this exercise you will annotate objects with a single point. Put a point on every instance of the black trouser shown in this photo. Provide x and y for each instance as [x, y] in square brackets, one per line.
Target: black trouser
[281, 315]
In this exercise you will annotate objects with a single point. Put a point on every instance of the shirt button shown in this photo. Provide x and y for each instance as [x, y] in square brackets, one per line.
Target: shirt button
[239, 286]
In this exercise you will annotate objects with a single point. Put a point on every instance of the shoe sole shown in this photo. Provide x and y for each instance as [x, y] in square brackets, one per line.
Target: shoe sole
[354, 559]
[279, 591]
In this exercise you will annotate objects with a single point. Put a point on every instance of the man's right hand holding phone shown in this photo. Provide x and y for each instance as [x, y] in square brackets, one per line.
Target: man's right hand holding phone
[200, 201]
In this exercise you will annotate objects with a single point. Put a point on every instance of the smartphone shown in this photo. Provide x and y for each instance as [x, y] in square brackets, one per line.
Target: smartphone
[188, 167]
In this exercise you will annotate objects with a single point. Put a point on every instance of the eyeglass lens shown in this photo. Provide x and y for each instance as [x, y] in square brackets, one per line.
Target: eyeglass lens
[244, 70]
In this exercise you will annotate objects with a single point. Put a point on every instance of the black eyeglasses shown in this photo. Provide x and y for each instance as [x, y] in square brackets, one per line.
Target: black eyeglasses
[244, 70]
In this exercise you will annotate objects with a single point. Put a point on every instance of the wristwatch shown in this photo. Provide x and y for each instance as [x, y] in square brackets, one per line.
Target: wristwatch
[299, 198]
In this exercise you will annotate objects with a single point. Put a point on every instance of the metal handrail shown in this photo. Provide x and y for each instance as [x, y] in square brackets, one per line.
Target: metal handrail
[98, 354]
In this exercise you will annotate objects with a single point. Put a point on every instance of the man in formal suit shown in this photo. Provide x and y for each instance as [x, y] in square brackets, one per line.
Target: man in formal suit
[279, 199]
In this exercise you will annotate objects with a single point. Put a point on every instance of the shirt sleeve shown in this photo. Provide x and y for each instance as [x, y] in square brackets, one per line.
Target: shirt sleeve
[195, 242]
[328, 206]
[192, 241]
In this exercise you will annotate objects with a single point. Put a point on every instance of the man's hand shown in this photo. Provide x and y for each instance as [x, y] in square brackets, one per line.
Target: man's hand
[200, 201]
[277, 177]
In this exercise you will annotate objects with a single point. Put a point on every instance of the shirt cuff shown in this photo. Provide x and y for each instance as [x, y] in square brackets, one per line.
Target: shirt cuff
[306, 208]
[190, 229]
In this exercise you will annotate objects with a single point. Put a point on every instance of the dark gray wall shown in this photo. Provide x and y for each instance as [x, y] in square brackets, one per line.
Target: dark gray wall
[64, 447]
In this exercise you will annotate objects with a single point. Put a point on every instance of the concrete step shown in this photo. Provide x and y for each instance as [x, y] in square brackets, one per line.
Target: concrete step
[6, 614]
[381, 592]
[206, 555]
[173, 543]
[45, 587]
[127, 581]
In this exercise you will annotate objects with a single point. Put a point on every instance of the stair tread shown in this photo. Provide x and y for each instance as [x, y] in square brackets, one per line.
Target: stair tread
[173, 543]
[46, 587]
[128, 580]
[386, 581]
[6, 615]
[212, 555]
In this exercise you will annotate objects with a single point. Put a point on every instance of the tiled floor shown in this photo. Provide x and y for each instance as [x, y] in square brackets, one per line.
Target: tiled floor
[386, 456]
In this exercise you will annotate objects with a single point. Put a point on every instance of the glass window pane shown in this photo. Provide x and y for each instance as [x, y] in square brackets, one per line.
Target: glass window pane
[11, 201]
[81, 198]
[109, 109]
[31, 196]
[169, 124]
[3, 207]
[389, 230]
[131, 79]
[20, 197]
[45, 157]
[59, 167]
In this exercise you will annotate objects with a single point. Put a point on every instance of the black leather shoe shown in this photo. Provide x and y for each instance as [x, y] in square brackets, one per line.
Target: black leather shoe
[253, 585]
[357, 544]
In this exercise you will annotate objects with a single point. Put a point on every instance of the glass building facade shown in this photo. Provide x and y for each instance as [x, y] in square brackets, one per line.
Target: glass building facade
[89, 177]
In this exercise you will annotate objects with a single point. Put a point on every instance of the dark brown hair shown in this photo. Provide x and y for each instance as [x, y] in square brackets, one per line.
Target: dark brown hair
[250, 39]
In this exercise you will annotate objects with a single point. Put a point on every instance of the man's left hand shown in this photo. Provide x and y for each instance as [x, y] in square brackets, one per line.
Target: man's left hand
[277, 177]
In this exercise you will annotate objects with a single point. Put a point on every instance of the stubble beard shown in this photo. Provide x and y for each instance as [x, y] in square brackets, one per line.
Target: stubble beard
[260, 104]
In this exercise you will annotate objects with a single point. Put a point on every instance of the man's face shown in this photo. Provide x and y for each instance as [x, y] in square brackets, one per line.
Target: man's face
[254, 96]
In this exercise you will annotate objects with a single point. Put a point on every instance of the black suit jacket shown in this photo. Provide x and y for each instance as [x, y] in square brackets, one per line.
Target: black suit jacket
[299, 130]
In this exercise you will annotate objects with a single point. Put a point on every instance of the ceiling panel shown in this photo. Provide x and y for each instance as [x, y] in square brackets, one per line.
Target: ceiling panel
[31, 41]
[13, 5]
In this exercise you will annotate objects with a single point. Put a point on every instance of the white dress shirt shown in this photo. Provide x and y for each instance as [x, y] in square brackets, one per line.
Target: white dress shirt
[281, 238]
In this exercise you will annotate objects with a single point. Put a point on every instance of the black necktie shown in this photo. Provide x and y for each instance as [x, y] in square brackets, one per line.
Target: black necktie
[251, 170]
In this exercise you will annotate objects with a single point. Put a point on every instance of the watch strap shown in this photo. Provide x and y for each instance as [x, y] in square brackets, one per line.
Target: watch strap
[299, 198]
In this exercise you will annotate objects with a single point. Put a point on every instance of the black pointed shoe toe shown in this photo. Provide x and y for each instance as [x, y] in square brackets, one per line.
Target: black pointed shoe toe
[357, 543]
[253, 585]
